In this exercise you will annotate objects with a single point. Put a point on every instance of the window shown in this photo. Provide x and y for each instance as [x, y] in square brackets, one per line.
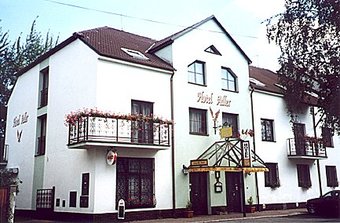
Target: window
[142, 131]
[303, 175]
[196, 73]
[332, 178]
[73, 199]
[135, 182]
[41, 135]
[229, 80]
[198, 121]
[212, 49]
[135, 54]
[231, 120]
[327, 137]
[44, 87]
[267, 130]
[85, 190]
[271, 178]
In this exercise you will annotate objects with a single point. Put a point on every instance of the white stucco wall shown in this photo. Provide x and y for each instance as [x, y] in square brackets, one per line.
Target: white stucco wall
[24, 100]
[187, 49]
[269, 106]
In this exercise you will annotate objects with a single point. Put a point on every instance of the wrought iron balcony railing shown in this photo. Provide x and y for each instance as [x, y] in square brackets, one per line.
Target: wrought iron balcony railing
[91, 129]
[306, 149]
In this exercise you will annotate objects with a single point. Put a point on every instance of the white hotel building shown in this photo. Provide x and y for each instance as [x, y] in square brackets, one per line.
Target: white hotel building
[125, 89]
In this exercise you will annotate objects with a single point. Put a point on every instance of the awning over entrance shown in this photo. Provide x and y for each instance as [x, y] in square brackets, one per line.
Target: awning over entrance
[231, 155]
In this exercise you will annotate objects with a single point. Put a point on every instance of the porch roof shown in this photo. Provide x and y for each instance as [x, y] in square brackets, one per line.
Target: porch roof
[230, 155]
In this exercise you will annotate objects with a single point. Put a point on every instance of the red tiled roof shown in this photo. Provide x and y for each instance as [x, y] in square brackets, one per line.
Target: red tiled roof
[108, 42]
[267, 77]
[268, 81]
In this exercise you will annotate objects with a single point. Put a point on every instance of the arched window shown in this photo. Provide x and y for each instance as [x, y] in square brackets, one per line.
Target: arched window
[229, 79]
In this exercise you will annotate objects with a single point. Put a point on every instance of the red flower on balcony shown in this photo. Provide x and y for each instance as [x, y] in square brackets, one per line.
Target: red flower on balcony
[74, 117]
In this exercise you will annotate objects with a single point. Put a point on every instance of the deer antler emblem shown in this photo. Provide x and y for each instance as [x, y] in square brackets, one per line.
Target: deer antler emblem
[19, 134]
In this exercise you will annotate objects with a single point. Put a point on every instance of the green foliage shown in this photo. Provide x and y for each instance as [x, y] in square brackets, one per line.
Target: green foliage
[14, 57]
[308, 34]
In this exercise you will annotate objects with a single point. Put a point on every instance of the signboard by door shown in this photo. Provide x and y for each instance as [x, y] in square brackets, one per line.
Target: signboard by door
[121, 209]
[246, 156]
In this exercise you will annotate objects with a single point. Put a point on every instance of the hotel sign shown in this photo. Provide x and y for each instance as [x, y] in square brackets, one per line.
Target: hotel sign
[205, 98]
[246, 156]
[198, 163]
[19, 120]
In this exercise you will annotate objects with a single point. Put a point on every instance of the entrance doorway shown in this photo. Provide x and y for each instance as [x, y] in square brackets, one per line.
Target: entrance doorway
[233, 182]
[199, 192]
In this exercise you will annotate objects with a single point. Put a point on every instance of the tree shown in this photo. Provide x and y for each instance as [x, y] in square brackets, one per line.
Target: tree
[16, 56]
[308, 34]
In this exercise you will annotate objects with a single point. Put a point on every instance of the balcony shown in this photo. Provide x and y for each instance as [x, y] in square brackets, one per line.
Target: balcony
[306, 149]
[96, 131]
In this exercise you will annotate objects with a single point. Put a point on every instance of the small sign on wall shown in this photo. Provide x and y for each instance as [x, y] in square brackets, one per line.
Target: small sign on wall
[245, 145]
[111, 157]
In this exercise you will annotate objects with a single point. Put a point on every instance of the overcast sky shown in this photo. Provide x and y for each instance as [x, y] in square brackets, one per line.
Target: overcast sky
[152, 18]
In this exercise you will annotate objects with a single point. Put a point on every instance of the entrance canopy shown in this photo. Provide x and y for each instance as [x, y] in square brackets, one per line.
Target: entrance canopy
[231, 155]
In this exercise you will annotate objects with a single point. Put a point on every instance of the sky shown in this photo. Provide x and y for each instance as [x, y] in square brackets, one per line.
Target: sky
[243, 19]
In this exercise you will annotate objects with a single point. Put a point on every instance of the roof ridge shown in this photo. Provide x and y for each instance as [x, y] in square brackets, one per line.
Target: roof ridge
[169, 39]
[118, 30]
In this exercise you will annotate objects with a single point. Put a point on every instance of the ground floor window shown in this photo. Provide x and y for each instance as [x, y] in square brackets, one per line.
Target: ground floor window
[135, 182]
[271, 177]
[332, 179]
[303, 175]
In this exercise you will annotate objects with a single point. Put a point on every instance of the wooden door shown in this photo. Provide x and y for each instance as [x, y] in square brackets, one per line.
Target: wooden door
[199, 192]
[233, 182]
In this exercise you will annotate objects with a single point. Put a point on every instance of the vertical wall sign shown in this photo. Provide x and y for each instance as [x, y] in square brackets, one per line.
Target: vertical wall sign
[246, 162]
[19, 120]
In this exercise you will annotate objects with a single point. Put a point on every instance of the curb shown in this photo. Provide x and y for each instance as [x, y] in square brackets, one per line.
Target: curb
[253, 217]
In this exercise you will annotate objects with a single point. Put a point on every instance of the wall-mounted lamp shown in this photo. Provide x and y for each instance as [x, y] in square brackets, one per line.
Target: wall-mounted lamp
[185, 170]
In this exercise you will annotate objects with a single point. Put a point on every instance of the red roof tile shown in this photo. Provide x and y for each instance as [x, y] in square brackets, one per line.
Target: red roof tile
[267, 77]
[109, 42]
[267, 80]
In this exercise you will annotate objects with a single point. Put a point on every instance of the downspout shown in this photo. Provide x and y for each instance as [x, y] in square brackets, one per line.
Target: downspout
[317, 161]
[254, 146]
[172, 146]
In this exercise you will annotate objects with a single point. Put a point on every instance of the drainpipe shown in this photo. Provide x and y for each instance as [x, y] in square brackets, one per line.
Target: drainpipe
[254, 145]
[317, 161]
[172, 145]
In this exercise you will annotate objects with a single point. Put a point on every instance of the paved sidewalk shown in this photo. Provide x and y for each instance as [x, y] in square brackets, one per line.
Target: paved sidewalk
[201, 219]
[231, 216]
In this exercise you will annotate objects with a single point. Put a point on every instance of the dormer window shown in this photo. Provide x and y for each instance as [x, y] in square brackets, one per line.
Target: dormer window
[135, 54]
[212, 49]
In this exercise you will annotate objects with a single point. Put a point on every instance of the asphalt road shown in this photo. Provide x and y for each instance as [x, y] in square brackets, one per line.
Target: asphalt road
[290, 219]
